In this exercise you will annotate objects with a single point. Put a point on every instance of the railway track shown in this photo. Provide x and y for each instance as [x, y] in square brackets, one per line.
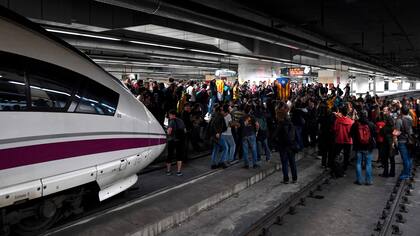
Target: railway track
[262, 227]
[396, 206]
[391, 220]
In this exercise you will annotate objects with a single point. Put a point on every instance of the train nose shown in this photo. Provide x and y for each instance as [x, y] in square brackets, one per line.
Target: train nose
[155, 127]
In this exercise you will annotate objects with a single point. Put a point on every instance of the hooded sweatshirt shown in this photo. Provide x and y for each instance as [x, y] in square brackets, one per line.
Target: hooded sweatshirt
[342, 128]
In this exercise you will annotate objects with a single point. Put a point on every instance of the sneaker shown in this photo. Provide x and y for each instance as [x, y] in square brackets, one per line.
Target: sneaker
[245, 167]
[368, 183]
[179, 173]
[285, 182]
[357, 182]
[213, 167]
[168, 173]
[294, 182]
[207, 117]
[256, 166]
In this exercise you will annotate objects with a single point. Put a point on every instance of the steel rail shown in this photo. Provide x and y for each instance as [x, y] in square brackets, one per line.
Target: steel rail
[262, 226]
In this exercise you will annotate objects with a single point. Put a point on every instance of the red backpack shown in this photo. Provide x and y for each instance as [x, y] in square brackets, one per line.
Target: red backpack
[379, 126]
[363, 133]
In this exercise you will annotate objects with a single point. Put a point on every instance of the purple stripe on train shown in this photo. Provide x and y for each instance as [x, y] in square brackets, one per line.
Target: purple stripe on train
[28, 155]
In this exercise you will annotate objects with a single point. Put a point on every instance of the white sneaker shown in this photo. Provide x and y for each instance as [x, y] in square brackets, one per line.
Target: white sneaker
[207, 117]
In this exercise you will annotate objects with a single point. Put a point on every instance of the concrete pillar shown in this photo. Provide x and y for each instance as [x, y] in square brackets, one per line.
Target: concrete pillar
[379, 85]
[393, 87]
[361, 84]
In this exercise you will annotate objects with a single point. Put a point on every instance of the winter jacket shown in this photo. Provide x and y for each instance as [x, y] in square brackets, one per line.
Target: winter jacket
[342, 128]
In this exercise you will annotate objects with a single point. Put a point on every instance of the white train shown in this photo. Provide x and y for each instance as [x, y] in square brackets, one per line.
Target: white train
[66, 125]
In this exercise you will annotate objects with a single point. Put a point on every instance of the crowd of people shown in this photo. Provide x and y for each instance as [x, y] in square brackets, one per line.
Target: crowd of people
[249, 121]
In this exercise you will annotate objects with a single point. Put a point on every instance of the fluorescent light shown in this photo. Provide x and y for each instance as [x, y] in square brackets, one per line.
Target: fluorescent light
[270, 61]
[186, 59]
[330, 69]
[157, 45]
[14, 82]
[82, 34]
[245, 57]
[286, 45]
[209, 52]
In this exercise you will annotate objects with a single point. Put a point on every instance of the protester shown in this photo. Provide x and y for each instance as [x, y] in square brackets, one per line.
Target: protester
[404, 131]
[286, 143]
[218, 126]
[176, 143]
[249, 140]
[363, 133]
[230, 145]
[242, 121]
[343, 140]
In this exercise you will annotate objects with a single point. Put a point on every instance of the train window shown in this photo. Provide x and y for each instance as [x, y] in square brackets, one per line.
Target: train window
[12, 90]
[95, 98]
[49, 91]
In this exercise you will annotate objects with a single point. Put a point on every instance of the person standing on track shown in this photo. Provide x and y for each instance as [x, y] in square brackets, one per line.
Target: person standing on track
[286, 142]
[405, 129]
[363, 133]
[343, 140]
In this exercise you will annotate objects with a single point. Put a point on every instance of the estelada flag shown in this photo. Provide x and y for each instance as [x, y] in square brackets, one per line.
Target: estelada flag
[283, 88]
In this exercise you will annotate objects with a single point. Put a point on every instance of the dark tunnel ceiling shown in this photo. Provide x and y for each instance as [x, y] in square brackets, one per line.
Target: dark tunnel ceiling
[387, 30]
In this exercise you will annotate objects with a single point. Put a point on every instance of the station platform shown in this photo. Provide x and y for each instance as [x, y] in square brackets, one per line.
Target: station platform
[164, 202]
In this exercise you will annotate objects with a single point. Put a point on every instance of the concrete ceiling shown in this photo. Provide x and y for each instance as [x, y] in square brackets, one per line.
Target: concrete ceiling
[387, 30]
[320, 32]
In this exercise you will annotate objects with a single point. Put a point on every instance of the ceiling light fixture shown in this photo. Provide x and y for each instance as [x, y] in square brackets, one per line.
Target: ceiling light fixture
[286, 45]
[156, 45]
[82, 34]
[245, 57]
[209, 52]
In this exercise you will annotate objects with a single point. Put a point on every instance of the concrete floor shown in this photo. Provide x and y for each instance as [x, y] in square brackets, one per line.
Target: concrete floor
[347, 209]
[234, 215]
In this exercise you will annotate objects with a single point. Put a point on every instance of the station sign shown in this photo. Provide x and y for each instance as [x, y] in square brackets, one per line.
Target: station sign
[296, 71]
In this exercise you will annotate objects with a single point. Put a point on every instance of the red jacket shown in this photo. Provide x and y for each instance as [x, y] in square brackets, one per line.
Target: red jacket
[342, 127]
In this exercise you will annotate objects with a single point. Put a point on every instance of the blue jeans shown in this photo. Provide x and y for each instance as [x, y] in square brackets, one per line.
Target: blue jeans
[367, 155]
[299, 139]
[263, 144]
[288, 159]
[249, 141]
[217, 147]
[230, 147]
[212, 101]
[405, 156]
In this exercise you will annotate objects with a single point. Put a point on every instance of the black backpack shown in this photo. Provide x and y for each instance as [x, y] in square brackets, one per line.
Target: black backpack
[179, 132]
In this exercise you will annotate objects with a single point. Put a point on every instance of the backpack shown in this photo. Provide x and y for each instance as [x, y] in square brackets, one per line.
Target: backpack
[363, 132]
[262, 122]
[179, 132]
[379, 126]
